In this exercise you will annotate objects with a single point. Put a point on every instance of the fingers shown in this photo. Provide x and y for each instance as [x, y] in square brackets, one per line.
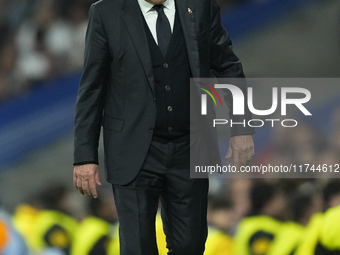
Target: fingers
[93, 189]
[97, 177]
[236, 160]
[85, 187]
[242, 159]
[79, 186]
[249, 155]
[230, 153]
[85, 178]
[242, 150]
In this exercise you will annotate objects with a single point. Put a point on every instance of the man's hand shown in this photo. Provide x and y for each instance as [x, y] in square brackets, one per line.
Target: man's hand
[85, 178]
[241, 149]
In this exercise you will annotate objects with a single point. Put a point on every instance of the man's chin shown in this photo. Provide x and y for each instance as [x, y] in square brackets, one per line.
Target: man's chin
[155, 1]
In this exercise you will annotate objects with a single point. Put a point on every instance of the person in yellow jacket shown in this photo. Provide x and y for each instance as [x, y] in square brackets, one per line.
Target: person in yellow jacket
[292, 232]
[329, 240]
[114, 248]
[256, 232]
[220, 220]
[312, 244]
[218, 243]
[308, 245]
[54, 228]
[24, 220]
[96, 232]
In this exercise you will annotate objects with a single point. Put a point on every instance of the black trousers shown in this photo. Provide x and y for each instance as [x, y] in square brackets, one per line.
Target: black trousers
[164, 176]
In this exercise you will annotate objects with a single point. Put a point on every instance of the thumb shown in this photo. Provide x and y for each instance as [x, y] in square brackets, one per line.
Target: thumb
[97, 177]
[230, 153]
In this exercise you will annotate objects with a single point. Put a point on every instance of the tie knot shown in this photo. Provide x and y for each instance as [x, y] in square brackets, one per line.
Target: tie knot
[159, 8]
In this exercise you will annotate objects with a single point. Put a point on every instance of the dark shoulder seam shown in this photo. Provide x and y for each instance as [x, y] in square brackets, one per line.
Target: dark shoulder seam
[95, 5]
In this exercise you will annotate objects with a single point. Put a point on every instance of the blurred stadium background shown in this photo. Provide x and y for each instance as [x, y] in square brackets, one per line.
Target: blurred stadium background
[41, 55]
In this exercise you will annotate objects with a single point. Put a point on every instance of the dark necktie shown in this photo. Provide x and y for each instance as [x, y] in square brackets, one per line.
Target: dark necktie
[163, 29]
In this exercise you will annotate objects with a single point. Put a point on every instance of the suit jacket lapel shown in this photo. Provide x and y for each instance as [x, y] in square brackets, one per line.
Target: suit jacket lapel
[186, 11]
[133, 20]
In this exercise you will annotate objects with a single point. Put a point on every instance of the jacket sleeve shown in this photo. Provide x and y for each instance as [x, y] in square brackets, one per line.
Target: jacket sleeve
[91, 92]
[225, 64]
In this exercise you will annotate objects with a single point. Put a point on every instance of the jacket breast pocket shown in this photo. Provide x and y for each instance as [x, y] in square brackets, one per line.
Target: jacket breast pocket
[112, 123]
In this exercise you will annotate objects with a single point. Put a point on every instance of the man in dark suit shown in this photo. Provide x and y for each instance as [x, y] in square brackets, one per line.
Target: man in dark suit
[139, 58]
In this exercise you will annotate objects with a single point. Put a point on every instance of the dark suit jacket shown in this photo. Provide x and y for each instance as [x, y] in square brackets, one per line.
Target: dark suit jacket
[117, 88]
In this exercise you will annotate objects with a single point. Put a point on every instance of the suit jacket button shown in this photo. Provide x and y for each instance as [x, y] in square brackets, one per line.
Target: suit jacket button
[165, 65]
[150, 130]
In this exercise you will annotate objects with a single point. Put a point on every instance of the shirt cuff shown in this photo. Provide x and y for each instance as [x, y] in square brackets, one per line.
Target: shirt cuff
[85, 163]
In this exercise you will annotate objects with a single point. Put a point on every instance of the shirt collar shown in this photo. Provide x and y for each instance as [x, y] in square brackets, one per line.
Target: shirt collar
[146, 6]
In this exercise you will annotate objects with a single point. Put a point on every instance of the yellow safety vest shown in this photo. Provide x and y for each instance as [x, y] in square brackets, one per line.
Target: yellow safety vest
[53, 229]
[312, 234]
[330, 230]
[218, 243]
[88, 233]
[24, 221]
[287, 239]
[114, 244]
[255, 235]
[160, 236]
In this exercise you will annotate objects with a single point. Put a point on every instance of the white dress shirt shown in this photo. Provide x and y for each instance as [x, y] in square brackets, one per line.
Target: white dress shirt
[151, 15]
